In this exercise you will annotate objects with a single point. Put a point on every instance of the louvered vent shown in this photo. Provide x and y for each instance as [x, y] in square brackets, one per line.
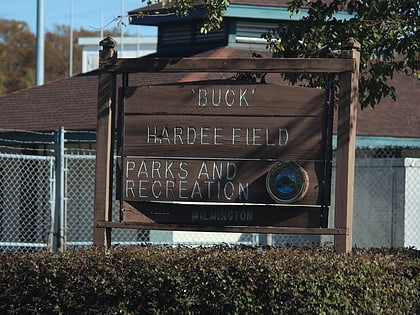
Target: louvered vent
[213, 36]
[176, 34]
[190, 34]
[252, 30]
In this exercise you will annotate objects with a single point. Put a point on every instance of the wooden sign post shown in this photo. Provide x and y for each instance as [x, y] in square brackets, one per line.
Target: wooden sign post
[346, 146]
[105, 140]
[224, 156]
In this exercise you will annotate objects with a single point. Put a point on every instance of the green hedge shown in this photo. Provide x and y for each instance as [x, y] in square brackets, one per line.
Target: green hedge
[211, 280]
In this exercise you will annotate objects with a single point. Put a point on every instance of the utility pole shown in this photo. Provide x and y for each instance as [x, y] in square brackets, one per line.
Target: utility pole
[71, 41]
[40, 43]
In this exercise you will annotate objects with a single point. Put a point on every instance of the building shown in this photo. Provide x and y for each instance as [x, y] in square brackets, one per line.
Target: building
[131, 47]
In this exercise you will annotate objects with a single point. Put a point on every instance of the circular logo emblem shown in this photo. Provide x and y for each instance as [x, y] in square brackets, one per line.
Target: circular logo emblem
[287, 182]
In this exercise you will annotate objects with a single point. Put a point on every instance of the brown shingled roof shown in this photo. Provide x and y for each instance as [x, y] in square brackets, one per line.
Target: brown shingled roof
[67, 102]
[71, 103]
[394, 119]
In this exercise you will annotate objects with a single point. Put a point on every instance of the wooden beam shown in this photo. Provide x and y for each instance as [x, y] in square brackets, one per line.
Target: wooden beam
[313, 65]
[233, 229]
[346, 145]
[104, 143]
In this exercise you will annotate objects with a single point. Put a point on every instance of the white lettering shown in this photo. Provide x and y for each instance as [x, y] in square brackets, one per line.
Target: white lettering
[158, 193]
[255, 136]
[152, 137]
[182, 189]
[170, 188]
[204, 171]
[129, 186]
[143, 170]
[191, 135]
[242, 97]
[232, 100]
[231, 170]
[171, 179]
[217, 135]
[178, 133]
[229, 96]
[229, 190]
[235, 134]
[168, 169]
[267, 138]
[217, 170]
[142, 188]
[202, 97]
[283, 136]
[156, 165]
[183, 167]
[243, 191]
[219, 101]
[196, 191]
[204, 135]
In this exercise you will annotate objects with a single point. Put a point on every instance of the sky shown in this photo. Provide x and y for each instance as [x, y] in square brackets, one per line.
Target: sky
[89, 14]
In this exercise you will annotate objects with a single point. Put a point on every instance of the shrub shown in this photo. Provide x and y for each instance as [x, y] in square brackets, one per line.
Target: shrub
[205, 280]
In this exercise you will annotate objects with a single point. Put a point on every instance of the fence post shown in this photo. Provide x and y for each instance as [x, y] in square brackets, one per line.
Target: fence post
[59, 213]
[346, 144]
[105, 143]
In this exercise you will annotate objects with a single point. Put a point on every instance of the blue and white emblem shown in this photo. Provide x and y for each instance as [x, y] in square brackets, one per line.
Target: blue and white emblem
[287, 182]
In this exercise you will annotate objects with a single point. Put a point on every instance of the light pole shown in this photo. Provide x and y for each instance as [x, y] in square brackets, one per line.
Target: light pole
[40, 43]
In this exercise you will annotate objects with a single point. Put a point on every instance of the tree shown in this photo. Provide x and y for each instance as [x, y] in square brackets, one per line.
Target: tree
[57, 51]
[17, 56]
[388, 31]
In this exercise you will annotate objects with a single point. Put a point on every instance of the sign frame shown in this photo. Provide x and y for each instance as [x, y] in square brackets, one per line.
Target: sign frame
[110, 66]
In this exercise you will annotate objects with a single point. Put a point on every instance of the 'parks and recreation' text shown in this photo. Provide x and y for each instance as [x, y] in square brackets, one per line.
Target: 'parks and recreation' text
[179, 180]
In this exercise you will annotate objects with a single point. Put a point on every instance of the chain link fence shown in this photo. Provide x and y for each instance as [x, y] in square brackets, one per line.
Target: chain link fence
[80, 183]
[412, 193]
[386, 212]
[26, 200]
[386, 198]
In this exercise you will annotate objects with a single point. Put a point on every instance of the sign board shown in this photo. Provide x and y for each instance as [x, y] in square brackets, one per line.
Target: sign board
[227, 157]
[225, 154]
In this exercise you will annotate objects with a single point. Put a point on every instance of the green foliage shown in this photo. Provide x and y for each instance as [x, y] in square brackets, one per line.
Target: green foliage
[219, 280]
[215, 9]
[386, 29]
[214, 15]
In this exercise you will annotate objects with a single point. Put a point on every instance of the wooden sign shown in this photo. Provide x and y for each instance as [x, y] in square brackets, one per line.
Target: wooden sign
[226, 157]
[194, 153]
